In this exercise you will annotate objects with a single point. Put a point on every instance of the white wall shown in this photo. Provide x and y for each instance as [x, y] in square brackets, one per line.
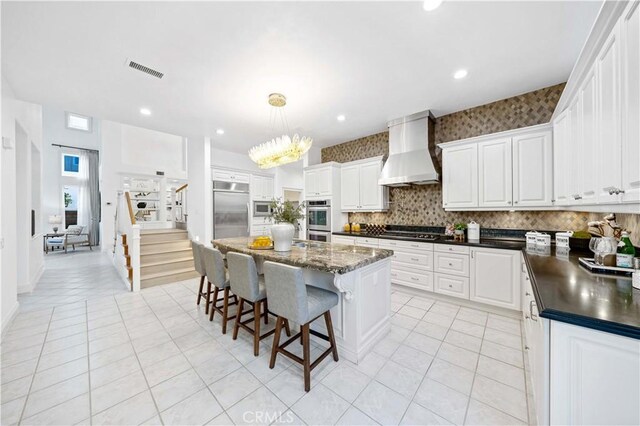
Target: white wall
[54, 130]
[200, 205]
[289, 176]
[234, 160]
[133, 151]
[21, 251]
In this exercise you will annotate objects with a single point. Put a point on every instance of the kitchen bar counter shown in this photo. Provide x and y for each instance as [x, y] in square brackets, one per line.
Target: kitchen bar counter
[325, 257]
[361, 277]
[567, 292]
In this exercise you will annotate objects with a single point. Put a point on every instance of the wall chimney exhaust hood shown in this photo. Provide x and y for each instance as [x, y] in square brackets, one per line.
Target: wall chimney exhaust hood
[412, 152]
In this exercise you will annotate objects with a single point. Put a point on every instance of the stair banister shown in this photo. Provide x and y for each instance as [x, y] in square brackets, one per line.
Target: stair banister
[135, 257]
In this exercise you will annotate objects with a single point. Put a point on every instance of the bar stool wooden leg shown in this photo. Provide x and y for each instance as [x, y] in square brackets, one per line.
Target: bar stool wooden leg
[200, 289]
[266, 311]
[276, 342]
[206, 309]
[286, 327]
[236, 326]
[256, 327]
[332, 338]
[215, 298]
[306, 357]
[225, 310]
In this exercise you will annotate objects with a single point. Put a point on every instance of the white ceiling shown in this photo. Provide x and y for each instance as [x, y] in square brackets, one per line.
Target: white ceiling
[372, 61]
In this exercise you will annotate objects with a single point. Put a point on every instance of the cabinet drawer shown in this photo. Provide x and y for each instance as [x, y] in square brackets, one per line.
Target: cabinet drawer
[451, 263]
[410, 245]
[343, 240]
[450, 248]
[452, 286]
[412, 279]
[367, 242]
[416, 259]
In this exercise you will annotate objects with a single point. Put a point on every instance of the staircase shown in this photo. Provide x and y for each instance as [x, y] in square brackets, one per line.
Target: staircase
[165, 257]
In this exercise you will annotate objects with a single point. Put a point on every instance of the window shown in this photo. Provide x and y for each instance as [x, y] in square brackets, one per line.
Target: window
[78, 122]
[70, 165]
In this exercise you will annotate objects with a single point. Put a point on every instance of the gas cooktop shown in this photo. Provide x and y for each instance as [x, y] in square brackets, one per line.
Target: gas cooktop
[413, 235]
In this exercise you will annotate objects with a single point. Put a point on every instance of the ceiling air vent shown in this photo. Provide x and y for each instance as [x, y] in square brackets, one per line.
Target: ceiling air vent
[147, 70]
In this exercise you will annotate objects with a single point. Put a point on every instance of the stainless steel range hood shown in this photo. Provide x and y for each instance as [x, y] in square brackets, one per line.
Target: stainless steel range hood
[412, 152]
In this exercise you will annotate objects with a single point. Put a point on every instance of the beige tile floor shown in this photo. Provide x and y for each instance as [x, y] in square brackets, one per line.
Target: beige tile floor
[83, 350]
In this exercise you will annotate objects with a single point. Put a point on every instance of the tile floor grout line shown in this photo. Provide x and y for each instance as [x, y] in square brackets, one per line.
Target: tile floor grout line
[155, 403]
[473, 381]
[89, 363]
[26, 400]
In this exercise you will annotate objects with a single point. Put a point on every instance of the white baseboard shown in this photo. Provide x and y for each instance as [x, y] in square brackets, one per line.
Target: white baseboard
[8, 318]
[29, 287]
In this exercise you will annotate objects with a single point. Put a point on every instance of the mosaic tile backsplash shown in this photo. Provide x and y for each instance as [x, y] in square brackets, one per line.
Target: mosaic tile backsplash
[422, 205]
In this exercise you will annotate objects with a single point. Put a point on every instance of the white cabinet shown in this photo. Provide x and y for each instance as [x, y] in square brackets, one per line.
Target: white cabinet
[411, 264]
[561, 144]
[494, 173]
[321, 181]
[451, 285]
[230, 176]
[594, 377]
[360, 190]
[261, 188]
[460, 176]
[533, 169]
[367, 242]
[341, 239]
[495, 277]
[572, 165]
[630, 89]
[451, 263]
[586, 158]
[608, 117]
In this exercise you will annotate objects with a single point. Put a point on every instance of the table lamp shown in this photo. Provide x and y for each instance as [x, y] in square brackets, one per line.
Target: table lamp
[55, 220]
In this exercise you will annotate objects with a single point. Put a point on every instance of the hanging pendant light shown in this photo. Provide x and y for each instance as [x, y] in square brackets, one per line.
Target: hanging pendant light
[280, 150]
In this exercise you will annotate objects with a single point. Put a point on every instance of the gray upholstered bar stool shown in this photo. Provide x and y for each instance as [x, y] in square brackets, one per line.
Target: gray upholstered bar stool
[217, 275]
[196, 249]
[250, 288]
[291, 299]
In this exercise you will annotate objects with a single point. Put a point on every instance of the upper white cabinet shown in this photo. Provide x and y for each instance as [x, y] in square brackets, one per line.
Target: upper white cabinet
[360, 190]
[508, 170]
[262, 188]
[532, 169]
[630, 82]
[596, 125]
[460, 176]
[494, 173]
[230, 176]
[495, 277]
[320, 181]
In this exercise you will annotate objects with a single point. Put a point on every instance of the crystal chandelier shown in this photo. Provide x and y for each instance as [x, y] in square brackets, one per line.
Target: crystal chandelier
[280, 150]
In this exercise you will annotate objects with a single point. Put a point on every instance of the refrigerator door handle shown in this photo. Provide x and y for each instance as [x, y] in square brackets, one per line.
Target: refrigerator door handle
[249, 218]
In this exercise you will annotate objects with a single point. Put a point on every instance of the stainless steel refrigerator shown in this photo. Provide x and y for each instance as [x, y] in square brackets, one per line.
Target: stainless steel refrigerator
[230, 209]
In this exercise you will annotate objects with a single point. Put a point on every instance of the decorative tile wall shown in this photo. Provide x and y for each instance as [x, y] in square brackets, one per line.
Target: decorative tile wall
[422, 205]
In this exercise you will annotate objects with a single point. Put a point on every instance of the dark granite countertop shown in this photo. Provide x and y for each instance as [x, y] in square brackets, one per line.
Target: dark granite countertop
[567, 292]
[332, 258]
[498, 243]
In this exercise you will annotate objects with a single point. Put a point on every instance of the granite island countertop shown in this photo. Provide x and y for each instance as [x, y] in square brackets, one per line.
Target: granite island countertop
[326, 257]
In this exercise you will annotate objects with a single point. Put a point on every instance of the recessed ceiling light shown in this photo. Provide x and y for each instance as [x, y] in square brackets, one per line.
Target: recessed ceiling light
[460, 74]
[341, 117]
[220, 131]
[430, 5]
[145, 111]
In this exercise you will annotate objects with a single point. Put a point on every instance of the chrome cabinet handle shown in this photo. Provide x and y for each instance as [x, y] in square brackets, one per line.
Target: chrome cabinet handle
[533, 317]
[619, 191]
[450, 264]
[515, 202]
[415, 259]
[450, 286]
[472, 254]
[526, 348]
[414, 279]
[526, 293]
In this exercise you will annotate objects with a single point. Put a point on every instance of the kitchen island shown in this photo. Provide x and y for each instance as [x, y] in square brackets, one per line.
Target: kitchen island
[361, 277]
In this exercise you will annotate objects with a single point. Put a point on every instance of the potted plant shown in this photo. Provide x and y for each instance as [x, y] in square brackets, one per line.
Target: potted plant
[285, 216]
[459, 229]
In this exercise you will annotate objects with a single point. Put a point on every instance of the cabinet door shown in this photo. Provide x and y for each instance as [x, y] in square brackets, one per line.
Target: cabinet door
[532, 169]
[460, 180]
[494, 173]
[630, 42]
[257, 184]
[370, 191]
[495, 277]
[561, 141]
[451, 285]
[451, 263]
[324, 181]
[350, 188]
[267, 188]
[594, 377]
[608, 109]
[311, 183]
[588, 155]
[574, 155]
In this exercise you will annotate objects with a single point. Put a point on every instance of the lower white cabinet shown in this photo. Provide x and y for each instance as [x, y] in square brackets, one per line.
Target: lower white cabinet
[452, 263]
[595, 377]
[341, 239]
[451, 285]
[495, 277]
